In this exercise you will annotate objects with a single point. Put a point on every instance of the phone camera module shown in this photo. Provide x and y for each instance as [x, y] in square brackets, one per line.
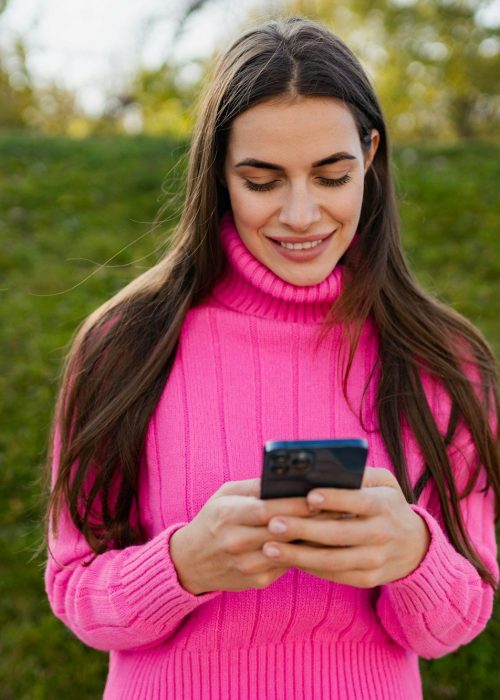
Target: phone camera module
[280, 463]
[302, 461]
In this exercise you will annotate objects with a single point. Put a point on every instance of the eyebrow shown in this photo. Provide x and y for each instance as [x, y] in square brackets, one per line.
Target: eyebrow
[334, 158]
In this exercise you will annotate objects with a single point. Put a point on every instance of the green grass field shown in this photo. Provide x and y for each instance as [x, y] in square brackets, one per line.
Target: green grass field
[67, 207]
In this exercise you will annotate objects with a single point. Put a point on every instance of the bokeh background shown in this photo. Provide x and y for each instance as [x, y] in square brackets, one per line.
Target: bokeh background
[97, 100]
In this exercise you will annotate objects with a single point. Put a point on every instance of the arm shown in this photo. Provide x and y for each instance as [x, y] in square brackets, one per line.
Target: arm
[444, 603]
[431, 599]
[125, 599]
[136, 597]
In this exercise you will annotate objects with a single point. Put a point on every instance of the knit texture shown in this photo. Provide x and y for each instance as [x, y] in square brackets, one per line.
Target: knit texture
[248, 369]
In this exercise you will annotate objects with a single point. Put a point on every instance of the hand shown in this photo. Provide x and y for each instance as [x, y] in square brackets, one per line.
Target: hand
[221, 548]
[383, 540]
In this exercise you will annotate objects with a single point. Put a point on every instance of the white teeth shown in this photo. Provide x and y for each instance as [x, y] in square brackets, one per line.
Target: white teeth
[300, 246]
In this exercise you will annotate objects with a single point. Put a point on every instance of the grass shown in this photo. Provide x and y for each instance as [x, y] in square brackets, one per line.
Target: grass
[66, 207]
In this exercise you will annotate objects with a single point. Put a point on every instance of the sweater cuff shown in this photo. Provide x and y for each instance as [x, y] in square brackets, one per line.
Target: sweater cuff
[435, 578]
[147, 582]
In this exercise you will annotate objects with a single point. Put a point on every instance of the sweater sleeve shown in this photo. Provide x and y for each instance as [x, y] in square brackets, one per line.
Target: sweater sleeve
[444, 603]
[125, 599]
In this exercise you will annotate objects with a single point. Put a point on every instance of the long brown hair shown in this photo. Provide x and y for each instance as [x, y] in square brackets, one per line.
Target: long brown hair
[122, 354]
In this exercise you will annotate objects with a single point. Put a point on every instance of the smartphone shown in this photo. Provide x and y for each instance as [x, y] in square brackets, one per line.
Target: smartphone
[294, 467]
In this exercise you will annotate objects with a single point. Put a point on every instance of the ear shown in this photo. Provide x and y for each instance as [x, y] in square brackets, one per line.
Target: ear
[370, 153]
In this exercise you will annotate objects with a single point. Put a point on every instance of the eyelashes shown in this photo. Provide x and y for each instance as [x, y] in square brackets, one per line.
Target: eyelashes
[326, 181]
[332, 182]
[258, 188]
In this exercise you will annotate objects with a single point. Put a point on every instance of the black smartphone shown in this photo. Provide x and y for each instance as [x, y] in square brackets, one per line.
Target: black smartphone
[294, 467]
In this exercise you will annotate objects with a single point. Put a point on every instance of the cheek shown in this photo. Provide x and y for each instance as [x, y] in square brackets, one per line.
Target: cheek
[347, 207]
[250, 211]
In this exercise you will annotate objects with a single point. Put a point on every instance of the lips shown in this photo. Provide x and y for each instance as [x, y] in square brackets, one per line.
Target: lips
[303, 239]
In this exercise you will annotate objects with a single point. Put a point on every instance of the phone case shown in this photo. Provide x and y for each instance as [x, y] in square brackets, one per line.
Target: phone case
[294, 467]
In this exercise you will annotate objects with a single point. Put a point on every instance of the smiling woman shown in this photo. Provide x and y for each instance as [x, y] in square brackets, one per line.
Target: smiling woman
[284, 310]
[301, 218]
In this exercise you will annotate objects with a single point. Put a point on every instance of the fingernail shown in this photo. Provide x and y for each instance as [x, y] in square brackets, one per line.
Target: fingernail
[315, 498]
[277, 527]
[272, 551]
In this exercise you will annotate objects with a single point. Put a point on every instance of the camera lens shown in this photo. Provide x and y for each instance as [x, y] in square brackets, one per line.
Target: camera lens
[302, 461]
[279, 463]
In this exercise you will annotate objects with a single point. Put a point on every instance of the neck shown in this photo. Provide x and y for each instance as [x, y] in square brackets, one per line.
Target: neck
[250, 287]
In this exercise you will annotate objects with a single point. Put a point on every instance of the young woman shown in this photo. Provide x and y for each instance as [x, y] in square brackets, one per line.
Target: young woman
[284, 309]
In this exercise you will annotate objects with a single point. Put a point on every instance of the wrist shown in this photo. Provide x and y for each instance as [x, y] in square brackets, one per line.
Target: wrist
[421, 542]
[182, 560]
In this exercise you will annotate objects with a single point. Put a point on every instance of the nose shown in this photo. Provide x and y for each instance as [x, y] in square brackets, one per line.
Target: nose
[300, 209]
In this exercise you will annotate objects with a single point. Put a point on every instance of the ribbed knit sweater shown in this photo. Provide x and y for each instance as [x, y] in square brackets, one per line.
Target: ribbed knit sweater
[248, 370]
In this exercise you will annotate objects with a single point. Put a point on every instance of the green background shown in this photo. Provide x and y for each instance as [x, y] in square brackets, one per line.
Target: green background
[67, 207]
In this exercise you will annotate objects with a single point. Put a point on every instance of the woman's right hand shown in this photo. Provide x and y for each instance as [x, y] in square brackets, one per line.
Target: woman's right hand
[221, 548]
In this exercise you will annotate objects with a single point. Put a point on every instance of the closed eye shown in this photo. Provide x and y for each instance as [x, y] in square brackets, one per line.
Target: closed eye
[255, 187]
[267, 186]
[335, 182]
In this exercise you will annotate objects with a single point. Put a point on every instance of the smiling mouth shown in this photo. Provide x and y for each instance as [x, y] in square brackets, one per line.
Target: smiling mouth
[302, 245]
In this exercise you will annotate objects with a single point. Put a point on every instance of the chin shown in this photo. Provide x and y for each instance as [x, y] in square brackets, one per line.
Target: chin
[304, 279]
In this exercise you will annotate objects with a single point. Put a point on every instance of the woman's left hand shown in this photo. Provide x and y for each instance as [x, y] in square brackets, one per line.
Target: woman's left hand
[383, 540]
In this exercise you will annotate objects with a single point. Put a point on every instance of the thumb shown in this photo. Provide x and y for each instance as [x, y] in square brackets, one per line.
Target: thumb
[378, 476]
[244, 487]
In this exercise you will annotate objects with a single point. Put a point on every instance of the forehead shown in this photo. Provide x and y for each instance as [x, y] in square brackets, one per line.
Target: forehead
[315, 127]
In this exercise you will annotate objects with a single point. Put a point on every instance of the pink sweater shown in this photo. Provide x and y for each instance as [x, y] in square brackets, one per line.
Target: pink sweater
[246, 372]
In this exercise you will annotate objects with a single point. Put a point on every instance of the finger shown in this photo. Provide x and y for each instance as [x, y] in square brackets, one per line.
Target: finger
[294, 505]
[249, 510]
[360, 502]
[244, 487]
[329, 532]
[240, 539]
[249, 563]
[241, 510]
[322, 561]
[356, 501]
[378, 476]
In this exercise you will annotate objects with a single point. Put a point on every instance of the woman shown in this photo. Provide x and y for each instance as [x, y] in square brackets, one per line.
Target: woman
[283, 310]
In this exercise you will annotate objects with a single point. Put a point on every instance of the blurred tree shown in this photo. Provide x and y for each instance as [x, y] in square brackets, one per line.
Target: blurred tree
[435, 65]
[49, 108]
[16, 88]
[191, 7]
[158, 101]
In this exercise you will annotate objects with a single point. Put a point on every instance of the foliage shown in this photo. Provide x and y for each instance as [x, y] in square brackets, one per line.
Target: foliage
[23, 105]
[436, 68]
[434, 65]
[68, 206]
[16, 88]
[158, 101]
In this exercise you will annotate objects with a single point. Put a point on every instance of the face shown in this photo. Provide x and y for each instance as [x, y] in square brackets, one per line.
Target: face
[295, 176]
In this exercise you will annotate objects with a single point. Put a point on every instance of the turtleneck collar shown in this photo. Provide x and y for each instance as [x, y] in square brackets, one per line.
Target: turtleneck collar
[250, 287]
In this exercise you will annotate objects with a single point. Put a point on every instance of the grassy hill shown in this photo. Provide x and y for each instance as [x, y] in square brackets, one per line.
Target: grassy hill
[74, 222]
